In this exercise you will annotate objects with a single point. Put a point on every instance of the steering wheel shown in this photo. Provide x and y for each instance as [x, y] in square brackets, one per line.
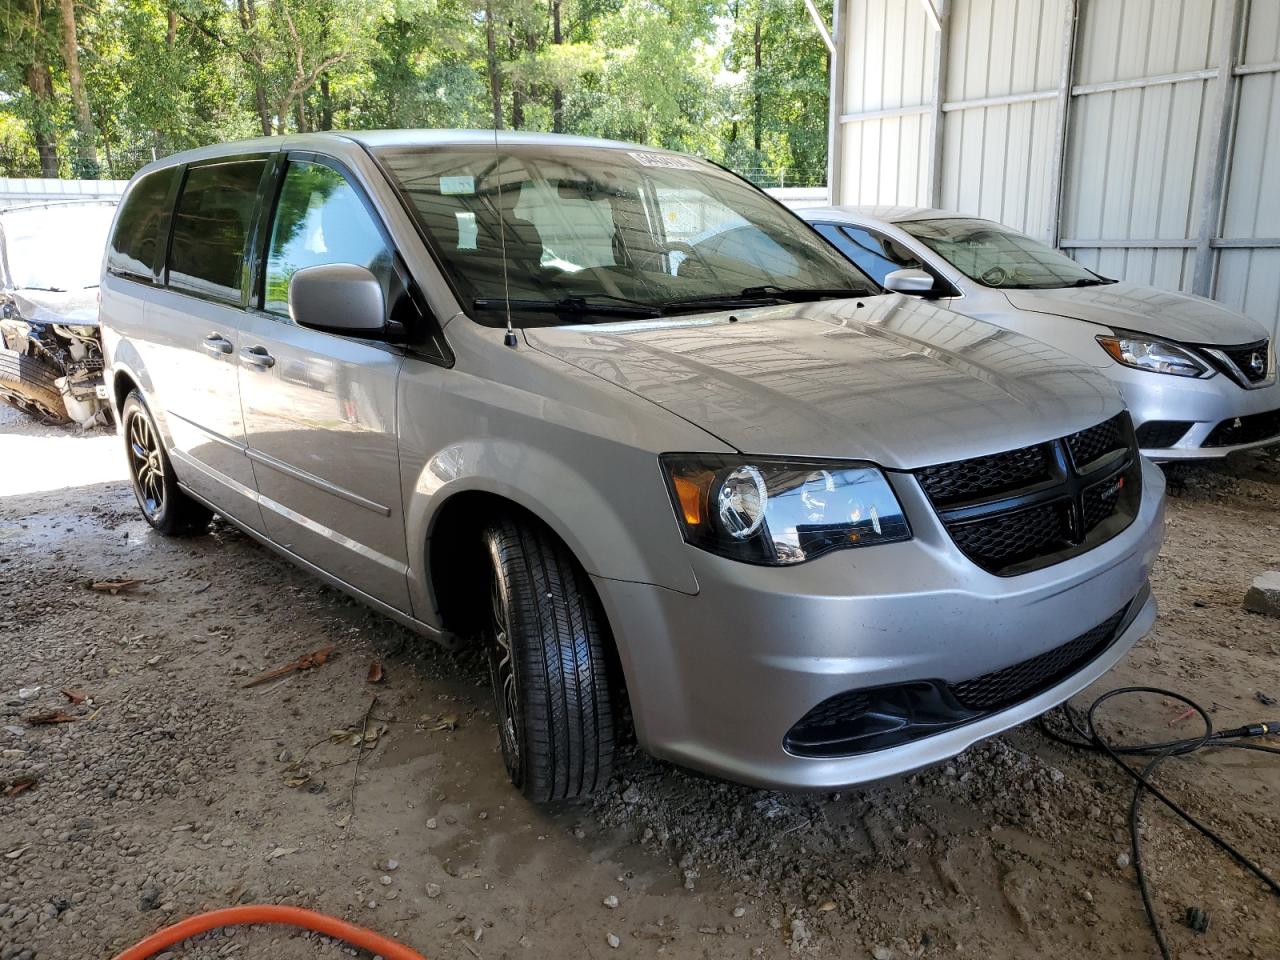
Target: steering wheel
[691, 254]
[995, 276]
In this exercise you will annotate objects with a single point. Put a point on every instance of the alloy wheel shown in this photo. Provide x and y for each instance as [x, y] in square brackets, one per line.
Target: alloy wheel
[146, 464]
[502, 671]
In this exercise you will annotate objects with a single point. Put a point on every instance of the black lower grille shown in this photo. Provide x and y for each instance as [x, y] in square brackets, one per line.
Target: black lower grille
[873, 718]
[1250, 429]
[1003, 688]
[1028, 508]
[1161, 434]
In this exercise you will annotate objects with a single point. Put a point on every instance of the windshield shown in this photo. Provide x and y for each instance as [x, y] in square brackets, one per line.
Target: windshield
[56, 247]
[610, 232]
[996, 256]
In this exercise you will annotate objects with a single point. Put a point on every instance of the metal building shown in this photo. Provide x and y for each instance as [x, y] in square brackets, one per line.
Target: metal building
[1142, 136]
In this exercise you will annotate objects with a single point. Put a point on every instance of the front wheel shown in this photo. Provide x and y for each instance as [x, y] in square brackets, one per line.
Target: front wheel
[548, 659]
[163, 503]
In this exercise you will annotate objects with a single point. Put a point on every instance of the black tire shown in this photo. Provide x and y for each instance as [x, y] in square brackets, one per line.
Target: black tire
[162, 502]
[556, 712]
[28, 384]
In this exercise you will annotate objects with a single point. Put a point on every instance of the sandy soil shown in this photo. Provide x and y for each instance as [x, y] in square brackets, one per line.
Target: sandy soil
[176, 790]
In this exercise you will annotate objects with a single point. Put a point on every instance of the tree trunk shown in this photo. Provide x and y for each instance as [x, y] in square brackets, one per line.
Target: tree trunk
[326, 104]
[86, 145]
[248, 15]
[171, 37]
[759, 94]
[495, 81]
[557, 95]
[300, 113]
[517, 95]
[41, 86]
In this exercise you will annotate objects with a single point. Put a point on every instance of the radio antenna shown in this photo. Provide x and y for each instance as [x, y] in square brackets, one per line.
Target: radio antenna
[510, 338]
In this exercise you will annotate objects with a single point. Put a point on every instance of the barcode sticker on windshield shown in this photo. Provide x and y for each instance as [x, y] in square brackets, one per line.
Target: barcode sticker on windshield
[669, 160]
[453, 186]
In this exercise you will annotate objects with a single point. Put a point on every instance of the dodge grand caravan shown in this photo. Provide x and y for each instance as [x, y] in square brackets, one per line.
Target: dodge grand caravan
[802, 532]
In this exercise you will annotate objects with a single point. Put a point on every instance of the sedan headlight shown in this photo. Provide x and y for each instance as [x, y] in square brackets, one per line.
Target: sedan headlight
[1157, 356]
[776, 512]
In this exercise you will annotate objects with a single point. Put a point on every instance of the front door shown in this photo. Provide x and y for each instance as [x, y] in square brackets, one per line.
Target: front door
[194, 334]
[320, 409]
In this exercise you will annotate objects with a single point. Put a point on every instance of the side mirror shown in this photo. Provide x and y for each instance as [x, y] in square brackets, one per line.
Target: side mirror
[909, 281]
[338, 298]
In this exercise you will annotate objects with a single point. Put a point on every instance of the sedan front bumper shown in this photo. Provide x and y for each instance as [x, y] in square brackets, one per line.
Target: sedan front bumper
[717, 680]
[1208, 409]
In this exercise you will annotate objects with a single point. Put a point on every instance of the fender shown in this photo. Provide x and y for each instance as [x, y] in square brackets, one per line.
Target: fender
[608, 538]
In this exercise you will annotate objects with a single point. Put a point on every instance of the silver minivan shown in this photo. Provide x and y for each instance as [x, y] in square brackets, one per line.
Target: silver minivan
[792, 529]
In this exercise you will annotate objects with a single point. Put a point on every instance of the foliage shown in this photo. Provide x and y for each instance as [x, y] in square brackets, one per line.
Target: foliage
[741, 81]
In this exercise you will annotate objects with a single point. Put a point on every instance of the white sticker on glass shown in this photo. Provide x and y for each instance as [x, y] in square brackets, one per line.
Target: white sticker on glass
[671, 161]
[454, 186]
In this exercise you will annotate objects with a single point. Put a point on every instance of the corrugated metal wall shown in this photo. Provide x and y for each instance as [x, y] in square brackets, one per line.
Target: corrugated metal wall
[1143, 136]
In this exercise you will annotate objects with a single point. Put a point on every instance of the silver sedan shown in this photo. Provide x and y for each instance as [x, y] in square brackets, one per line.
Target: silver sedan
[1199, 379]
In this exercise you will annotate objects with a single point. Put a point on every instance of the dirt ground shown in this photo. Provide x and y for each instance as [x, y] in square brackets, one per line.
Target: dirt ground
[176, 790]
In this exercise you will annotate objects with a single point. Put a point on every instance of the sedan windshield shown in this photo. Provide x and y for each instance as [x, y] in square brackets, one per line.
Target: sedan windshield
[55, 247]
[592, 233]
[996, 256]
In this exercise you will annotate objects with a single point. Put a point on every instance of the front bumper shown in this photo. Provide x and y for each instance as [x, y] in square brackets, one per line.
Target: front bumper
[716, 680]
[1204, 404]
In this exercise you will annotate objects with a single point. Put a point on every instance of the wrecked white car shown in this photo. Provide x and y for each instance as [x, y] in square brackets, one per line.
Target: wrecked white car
[50, 351]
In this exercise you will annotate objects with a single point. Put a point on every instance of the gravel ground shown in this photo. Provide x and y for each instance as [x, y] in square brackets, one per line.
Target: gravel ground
[174, 789]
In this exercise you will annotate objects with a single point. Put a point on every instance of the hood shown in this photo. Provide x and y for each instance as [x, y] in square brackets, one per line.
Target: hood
[890, 379]
[78, 307]
[1176, 316]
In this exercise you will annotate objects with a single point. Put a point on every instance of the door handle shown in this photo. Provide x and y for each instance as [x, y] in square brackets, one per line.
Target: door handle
[257, 356]
[216, 344]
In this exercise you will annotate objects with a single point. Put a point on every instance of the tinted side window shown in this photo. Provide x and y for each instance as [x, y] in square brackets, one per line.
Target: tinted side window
[136, 246]
[210, 228]
[320, 219]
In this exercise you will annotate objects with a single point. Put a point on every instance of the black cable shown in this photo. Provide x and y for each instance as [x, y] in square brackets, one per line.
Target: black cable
[1087, 738]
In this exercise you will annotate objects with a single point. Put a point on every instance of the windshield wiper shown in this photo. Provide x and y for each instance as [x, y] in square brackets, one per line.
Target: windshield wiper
[570, 305]
[763, 296]
[43, 289]
[799, 294]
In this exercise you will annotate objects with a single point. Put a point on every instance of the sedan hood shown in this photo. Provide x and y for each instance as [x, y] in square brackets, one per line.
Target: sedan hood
[1175, 316]
[77, 307]
[890, 379]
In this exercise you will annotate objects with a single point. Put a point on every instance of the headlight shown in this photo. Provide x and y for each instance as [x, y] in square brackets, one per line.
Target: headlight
[771, 511]
[1157, 356]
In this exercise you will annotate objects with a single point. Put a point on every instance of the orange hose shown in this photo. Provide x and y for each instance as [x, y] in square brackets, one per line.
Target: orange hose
[270, 913]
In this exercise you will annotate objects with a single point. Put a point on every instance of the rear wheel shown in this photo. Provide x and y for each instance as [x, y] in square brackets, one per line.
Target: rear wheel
[547, 647]
[28, 383]
[163, 504]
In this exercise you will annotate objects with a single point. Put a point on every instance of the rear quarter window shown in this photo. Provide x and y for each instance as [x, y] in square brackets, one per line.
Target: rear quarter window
[136, 248]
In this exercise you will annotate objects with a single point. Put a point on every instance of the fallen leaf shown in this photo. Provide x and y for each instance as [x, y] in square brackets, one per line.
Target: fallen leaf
[375, 672]
[18, 786]
[356, 735]
[279, 852]
[827, 907]
[15, 854]
[308, 661]
[51, 717]
[448, 721]
[75, 696]
[116, 586]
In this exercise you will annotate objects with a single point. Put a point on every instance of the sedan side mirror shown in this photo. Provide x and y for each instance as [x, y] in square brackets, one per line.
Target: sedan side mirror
[338, 298]
[909, 281]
